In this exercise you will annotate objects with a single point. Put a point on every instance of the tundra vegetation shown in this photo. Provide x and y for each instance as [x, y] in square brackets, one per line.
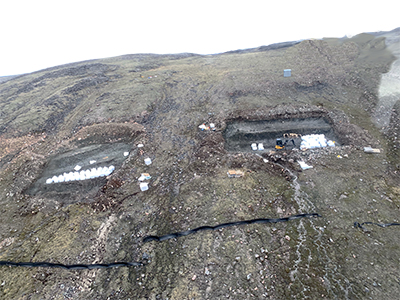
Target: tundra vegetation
[94, 112]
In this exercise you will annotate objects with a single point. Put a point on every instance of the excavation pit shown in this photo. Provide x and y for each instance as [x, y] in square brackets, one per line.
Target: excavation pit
[240, 134]
[85, 158]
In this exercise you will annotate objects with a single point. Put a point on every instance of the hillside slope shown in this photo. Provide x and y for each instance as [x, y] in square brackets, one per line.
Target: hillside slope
[94, 114]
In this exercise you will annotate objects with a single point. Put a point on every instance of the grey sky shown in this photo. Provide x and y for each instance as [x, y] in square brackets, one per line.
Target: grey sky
[42, 33]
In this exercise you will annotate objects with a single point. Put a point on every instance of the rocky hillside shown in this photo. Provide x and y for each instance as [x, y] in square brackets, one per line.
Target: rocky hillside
[86, 117]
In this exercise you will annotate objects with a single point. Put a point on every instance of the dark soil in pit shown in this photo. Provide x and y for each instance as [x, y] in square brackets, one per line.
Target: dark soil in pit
[239, 135]
[104, 155]
[120, 100]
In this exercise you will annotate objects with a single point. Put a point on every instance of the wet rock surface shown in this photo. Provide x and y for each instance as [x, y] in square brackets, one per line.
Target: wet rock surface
[111, 106]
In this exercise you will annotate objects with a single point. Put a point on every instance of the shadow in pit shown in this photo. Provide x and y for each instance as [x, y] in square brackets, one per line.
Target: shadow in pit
[239, 134]
[88, 157]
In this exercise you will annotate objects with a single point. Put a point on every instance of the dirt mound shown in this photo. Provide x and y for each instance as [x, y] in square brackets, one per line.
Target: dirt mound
[108, 132]
[51, 121]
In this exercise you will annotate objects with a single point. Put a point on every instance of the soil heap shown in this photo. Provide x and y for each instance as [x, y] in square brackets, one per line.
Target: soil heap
[122, 111]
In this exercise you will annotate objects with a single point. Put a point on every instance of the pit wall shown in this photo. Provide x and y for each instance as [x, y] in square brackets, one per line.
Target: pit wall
[345, 132]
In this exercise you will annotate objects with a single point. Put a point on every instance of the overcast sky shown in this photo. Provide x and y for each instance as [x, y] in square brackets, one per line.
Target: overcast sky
[37, 34]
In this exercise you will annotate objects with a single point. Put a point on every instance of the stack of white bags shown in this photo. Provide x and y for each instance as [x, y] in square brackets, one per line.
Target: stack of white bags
[82, 175]
[260, 146]
[313, 141]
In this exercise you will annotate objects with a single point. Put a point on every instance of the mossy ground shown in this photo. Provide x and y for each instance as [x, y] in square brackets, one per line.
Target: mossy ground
[159, 101]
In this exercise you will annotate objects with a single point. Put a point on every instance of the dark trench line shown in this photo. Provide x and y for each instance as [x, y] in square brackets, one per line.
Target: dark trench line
[70, 267]
[171, 236]
[358, 225]
[220, 226]
[148, 239]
